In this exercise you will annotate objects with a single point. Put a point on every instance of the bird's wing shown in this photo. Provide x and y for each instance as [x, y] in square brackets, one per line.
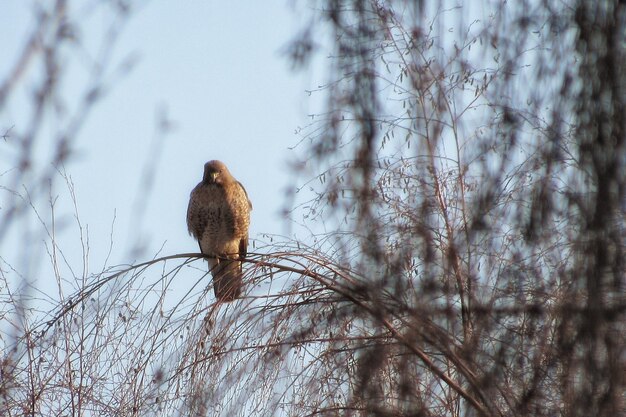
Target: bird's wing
[196, 223]
[246, 194]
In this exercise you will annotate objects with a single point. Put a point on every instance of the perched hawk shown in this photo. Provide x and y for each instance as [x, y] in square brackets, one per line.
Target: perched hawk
[218, 216]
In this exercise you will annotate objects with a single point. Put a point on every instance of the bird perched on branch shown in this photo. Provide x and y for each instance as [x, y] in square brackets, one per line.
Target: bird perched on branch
[218, 216]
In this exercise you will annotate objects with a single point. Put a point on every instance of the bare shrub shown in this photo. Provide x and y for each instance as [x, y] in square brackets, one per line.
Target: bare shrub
[469, 176]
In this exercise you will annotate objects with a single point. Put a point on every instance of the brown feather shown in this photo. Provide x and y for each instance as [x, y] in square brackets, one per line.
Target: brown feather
[218, 216]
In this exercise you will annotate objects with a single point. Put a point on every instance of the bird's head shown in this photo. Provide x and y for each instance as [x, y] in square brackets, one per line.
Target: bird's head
[215, 172]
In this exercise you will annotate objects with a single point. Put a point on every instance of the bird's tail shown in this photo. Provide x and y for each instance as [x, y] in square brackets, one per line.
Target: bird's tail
[227, 279]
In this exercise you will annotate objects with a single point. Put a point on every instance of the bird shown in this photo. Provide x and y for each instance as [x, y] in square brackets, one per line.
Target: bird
[218, 217]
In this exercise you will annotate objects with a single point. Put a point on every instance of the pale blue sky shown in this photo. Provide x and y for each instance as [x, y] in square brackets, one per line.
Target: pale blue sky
[220, 71]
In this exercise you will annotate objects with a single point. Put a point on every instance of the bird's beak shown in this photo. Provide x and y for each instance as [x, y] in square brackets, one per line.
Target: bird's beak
[214, 176]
